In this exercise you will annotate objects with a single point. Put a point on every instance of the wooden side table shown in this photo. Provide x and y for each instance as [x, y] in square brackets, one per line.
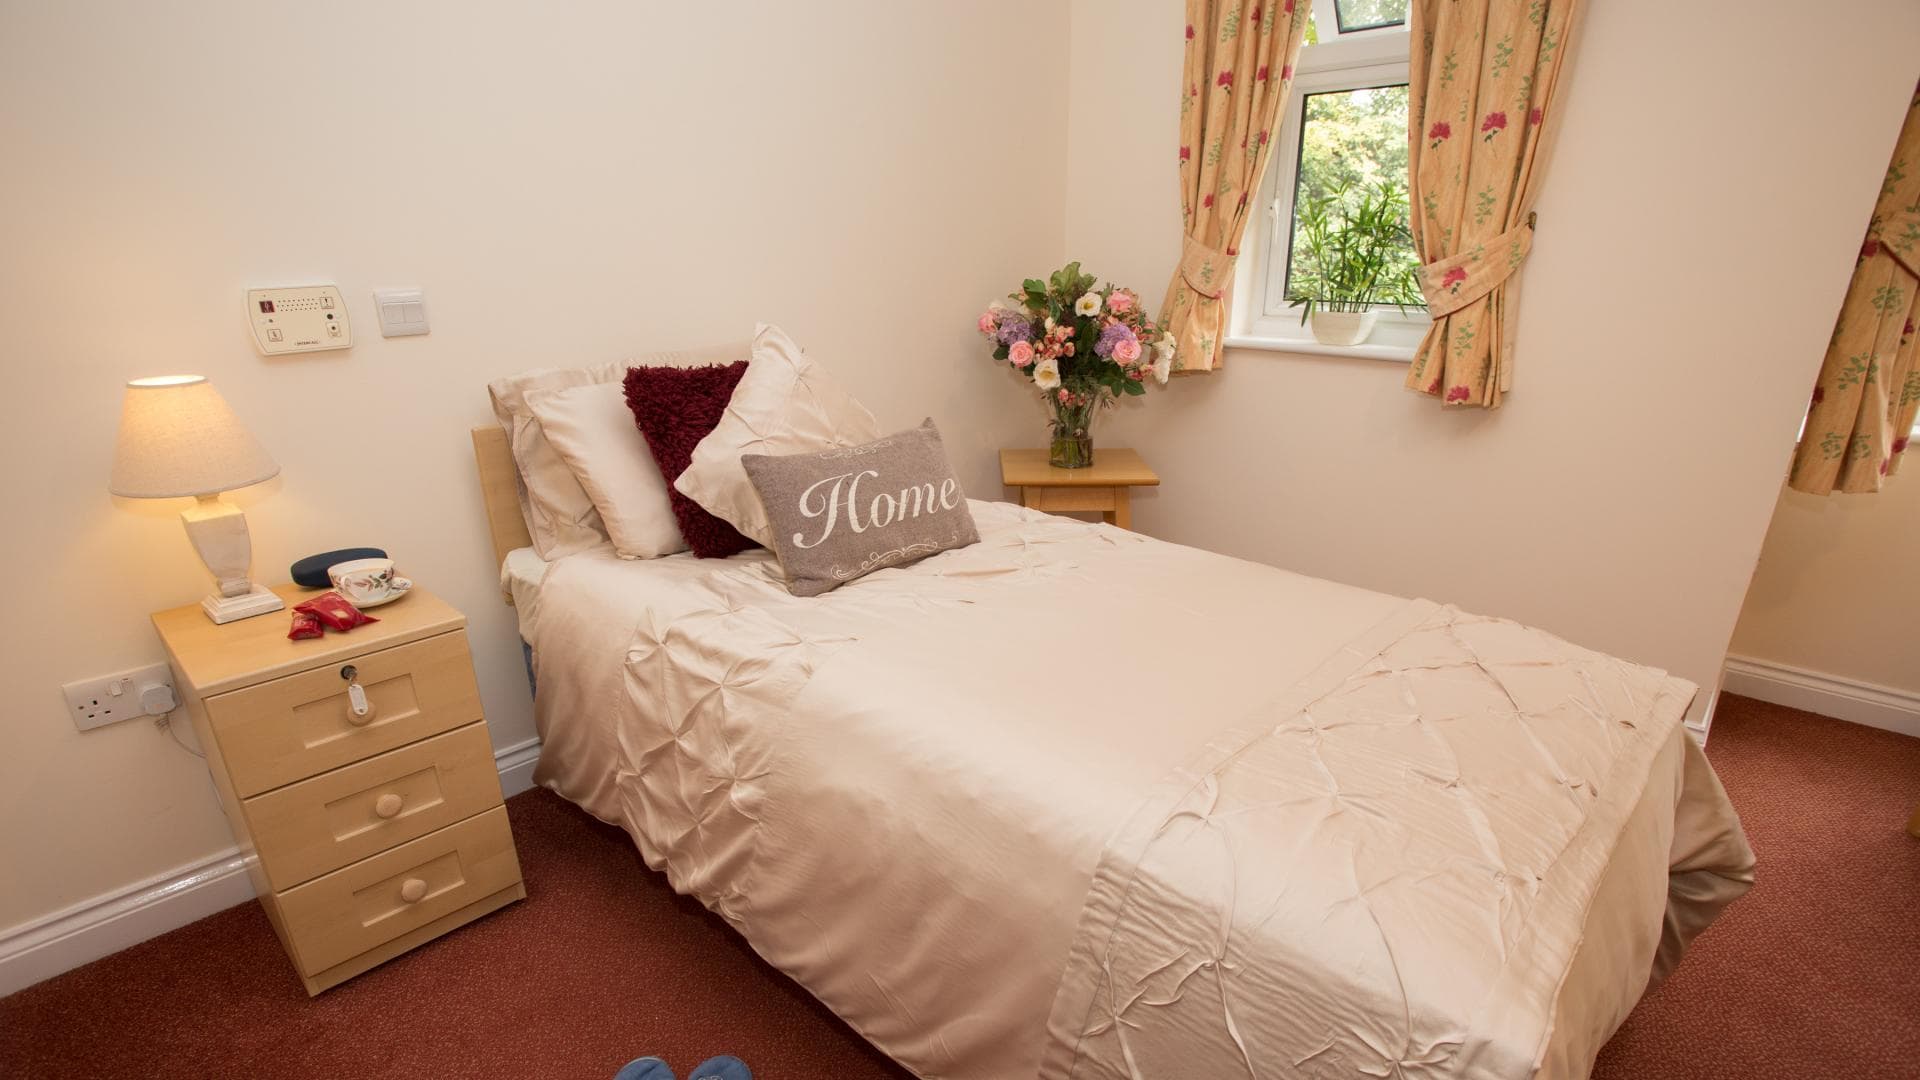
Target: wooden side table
[356, 772]
[1103, 486]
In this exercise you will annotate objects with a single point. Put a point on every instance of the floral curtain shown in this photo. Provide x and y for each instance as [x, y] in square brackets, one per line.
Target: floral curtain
[1869, 389]
[1239, 67]
[1479, 108]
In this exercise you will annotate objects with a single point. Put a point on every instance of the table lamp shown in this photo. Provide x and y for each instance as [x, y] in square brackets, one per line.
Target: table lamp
[179, 438]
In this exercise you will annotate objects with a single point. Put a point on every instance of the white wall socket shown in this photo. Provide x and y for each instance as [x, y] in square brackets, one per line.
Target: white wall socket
[109, 699]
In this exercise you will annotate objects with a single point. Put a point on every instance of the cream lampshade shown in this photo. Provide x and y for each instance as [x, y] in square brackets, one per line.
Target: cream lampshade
[178, 438]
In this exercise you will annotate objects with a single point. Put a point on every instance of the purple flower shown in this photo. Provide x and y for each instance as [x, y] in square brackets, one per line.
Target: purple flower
[1014, 326]
[1110, 337]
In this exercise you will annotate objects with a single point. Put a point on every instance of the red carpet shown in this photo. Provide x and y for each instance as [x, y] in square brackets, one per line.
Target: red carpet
[1810, 976]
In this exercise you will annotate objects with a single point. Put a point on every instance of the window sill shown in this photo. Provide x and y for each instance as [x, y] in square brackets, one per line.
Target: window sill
[1399, 354]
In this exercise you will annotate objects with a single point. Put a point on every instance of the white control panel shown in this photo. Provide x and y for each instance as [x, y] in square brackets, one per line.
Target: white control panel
[306, 318]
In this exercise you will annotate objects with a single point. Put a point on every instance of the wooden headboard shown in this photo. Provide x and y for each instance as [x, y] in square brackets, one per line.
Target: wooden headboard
[500, 488]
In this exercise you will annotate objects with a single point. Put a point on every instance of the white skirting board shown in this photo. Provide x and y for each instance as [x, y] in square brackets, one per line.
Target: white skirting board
[1829, 695]
[105, 924]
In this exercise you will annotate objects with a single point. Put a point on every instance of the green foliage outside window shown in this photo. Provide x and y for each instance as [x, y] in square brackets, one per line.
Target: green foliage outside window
[1353, 161]
[1367, 14]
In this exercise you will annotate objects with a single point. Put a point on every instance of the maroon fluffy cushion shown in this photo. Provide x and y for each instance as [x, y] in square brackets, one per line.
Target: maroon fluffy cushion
[676, 407]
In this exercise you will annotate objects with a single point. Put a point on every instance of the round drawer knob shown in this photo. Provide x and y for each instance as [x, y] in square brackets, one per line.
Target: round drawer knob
[412, 890]
[387, 805]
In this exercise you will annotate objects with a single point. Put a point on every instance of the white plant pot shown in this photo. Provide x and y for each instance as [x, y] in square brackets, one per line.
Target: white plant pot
[1341, 327]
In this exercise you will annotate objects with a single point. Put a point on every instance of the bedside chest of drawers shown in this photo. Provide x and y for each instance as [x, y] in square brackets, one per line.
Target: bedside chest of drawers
[370, 831]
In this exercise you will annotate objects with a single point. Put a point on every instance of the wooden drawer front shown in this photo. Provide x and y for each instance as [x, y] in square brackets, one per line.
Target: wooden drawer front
[305, 829]
[292, 728]
[1071, 498]
[340, 916]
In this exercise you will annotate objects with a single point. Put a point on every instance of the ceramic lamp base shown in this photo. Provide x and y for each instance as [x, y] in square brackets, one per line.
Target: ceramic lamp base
[219, 534]
[258, 601]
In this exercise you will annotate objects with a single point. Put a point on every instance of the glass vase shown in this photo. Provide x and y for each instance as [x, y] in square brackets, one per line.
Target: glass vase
[1072, 414]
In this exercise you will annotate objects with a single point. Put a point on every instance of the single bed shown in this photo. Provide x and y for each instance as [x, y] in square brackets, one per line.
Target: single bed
[970, 807]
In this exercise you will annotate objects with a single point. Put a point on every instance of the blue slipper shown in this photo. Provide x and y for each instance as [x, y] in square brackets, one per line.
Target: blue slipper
[646, 1068]
[724, 1067]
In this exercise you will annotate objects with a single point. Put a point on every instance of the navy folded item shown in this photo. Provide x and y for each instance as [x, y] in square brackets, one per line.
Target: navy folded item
[312, 570]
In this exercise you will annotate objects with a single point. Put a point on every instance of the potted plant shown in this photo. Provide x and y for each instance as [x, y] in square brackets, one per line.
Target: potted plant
[1354, 255]
[1083, 345]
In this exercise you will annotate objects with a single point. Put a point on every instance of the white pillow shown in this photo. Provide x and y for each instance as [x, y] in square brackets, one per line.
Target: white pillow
[561, 517]
[592, 430]
[785, 404]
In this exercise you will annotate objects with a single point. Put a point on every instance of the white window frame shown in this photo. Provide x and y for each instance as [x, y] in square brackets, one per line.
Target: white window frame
[1352, 61]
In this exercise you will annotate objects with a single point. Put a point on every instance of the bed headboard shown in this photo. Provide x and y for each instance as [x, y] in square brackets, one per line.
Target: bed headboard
[500, 489]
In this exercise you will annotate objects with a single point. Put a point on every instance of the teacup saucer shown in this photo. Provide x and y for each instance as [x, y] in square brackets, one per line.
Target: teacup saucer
[388, 599]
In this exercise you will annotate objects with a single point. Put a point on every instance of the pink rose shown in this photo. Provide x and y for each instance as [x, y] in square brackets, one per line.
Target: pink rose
[986, 322]
[1120, 302]
[1020, 354]
[1127, 350]
[1453, 279]
[1458, 393]
[1225, 79]
[1440, 132]
[1900, 444]
[1495, 123]
[1535, 116]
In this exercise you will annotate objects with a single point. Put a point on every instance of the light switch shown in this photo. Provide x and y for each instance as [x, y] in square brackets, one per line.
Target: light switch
[402, 311]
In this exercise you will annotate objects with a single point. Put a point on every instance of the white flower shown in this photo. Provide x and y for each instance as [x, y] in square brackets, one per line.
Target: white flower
[1088, 304]
[1046, 374]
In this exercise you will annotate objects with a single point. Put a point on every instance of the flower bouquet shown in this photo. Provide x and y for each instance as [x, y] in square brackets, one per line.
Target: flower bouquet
[1082, 346]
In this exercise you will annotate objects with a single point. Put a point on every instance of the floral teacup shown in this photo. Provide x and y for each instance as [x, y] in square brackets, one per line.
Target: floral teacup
[365, 582]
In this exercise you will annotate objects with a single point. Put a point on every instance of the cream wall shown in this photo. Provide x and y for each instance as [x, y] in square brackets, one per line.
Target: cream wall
[592, 181]
[1697, 227]
[1838, 590]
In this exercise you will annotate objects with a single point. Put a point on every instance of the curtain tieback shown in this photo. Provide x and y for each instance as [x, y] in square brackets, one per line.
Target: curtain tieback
[1459, 280]
[1876, 244]
[1206, 270]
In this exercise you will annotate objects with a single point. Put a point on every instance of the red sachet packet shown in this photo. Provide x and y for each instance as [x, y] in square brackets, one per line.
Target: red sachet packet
[334, 610]
[305, 625]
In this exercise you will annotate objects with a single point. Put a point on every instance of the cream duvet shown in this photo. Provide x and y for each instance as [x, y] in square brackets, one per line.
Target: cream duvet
[968, 806]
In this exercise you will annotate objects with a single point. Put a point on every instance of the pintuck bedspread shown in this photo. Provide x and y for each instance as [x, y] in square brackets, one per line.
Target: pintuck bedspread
[968, 805]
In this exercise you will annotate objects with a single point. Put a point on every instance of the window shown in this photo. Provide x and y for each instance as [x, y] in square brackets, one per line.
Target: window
[1343, 135]
[1355, 15]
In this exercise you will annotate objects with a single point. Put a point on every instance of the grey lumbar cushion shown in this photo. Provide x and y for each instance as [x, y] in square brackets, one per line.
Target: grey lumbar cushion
[839, 514]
